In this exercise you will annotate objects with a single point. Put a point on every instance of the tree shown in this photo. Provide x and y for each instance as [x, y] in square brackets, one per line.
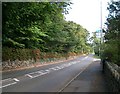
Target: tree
[42, 25]
[27, 25]
[112, 34]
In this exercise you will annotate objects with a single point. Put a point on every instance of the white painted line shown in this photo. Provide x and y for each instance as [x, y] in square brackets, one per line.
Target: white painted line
[39, 72]
[61, 67]
[96, 59]
[58, 67]
[44, 73]
[32, 73]
[9, 84]
[8, 79]
[29, 75]
[47, 70]
[64, 64]
[73, 62]
[16, 79]
[67, 65]
[39, 75]
[85, 58]
[53, 68]
[36, 76]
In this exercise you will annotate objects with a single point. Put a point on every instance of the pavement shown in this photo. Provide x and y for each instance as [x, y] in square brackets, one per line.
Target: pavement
[90, 80]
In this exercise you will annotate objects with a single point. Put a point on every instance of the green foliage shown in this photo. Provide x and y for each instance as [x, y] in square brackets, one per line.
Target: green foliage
[13, 54]
[35, 54]
[25, 25]
[41, 25]
[96, 44]
[112, 34]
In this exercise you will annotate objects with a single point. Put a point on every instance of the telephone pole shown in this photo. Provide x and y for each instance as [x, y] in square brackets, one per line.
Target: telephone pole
[101, 31]
[101, 21]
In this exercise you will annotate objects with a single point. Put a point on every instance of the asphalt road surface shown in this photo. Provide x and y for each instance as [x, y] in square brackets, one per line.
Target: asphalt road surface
[49, 78]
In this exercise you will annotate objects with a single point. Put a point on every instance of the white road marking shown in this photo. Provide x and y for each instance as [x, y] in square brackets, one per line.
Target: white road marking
[58, 67]
[16, 79]
[96, 59]
[85, 58]
[68, 65]
[53, 68]
[29, 75]
[47, 70]
[8, 79]
[61, 67]
[36, 76]
[8, 84]
[39, 73]
[32, 72]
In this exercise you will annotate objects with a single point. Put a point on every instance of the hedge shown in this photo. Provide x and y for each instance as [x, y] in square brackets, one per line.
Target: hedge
[26, 54]
[20, 54]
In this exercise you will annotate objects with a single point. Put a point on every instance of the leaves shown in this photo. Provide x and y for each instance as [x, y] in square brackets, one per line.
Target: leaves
[112, 34]
[42, 25]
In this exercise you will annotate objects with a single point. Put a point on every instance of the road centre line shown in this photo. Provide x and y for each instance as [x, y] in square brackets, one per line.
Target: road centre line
[37, 76]
[38, 73]
[61, 67]
[52, 68]
[6, 79]
[29, 75]
[85, 58]
[47, 70]
[58, 67]
[16, 79]
[8, 84]
[96, 59]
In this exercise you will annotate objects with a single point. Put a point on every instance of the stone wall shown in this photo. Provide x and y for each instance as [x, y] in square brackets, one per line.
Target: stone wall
[7, 65]
[11, 65]
[112, 75]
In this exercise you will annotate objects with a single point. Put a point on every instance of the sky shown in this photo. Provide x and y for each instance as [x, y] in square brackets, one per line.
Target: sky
[87, 13]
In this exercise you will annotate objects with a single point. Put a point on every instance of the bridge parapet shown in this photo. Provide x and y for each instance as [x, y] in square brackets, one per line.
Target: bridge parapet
[112, 74]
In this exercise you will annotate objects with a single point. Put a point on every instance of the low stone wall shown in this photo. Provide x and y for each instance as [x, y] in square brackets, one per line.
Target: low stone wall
[112, 74]
[10, 65]
[7, 65]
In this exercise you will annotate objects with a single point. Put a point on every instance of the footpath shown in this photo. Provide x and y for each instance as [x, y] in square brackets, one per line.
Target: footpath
[90, 80]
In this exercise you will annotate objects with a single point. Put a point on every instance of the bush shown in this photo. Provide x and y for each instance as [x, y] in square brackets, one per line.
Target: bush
[111, 53]
[13, 54]
[20, 54]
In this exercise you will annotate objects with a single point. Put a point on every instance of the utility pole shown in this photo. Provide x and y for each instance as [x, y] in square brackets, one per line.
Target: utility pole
[101, 20]
[101, 31]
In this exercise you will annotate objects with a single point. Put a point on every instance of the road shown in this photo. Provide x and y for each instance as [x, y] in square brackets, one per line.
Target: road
[49, 78]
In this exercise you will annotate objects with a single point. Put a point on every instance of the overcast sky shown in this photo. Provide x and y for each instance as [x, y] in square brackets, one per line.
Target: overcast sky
[87, 13]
